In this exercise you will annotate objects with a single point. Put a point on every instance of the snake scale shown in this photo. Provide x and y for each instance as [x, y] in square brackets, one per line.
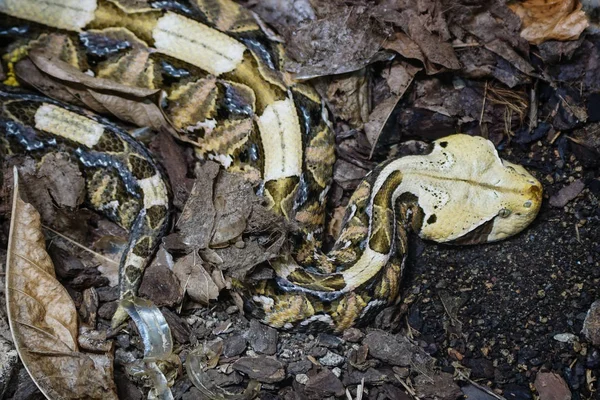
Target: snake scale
[217, 76]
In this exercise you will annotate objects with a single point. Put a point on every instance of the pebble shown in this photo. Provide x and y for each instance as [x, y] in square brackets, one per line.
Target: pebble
[299, 367]
[234, 346]
[566, 194]
[329, 341]
[474, 393]
[323, 384]
[262, 368]
[332, 359]
[393, 349]
[565, 337]
[551, 386]
[302, 379]
[591, 325]
[161, 286]
[262, 338]
[353, 335]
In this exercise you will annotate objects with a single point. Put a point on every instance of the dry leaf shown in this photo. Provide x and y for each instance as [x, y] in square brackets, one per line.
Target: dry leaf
[198, 216]
[233, 203]
[550, 19]
[62, 81]
[43, 317]
[398, 79]
[197, 282]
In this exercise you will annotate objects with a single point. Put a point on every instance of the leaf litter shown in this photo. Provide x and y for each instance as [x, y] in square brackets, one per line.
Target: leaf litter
[404, 71]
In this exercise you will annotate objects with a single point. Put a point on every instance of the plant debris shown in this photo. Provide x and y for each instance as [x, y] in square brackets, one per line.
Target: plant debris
[510, 320]
[43, 317]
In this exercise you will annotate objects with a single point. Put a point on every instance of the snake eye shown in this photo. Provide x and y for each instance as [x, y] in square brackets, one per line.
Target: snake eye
[527, 204]
[505, 212]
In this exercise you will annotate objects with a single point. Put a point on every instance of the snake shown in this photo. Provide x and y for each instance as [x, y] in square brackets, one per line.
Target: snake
[215, 73]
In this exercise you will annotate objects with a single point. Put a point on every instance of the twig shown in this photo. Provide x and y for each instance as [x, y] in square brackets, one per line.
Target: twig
[478, 386]
[68, 239]
[483, 103]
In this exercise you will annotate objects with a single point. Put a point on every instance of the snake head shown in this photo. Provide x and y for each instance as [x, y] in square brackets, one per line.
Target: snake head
[470, 195]
[519, 205]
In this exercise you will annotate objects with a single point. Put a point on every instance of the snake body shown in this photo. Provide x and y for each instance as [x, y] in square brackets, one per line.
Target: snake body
[219, 83]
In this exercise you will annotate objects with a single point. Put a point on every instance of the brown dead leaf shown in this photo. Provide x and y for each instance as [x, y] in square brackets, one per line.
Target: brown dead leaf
[399, 78]
[233, 203]
[195, 279]
[347, 95]
[43, 317]
[62, 81]
[550, 20]
[197, 219]
[344, 41]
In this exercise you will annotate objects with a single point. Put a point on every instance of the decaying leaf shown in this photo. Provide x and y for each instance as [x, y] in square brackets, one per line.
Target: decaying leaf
[341, 42]
[550, 20]
[43, 317]
[63, 81]
[195, 279]
[197, 219]
[399, 78]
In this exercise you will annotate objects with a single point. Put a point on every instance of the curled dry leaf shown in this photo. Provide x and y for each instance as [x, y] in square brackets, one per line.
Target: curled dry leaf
[43, 317]
[550, 20]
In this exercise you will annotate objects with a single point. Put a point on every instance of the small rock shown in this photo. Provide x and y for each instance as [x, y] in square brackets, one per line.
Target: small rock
[393, 349]
[231, 309]
[299, 367]
[220, 379]
[161, 286]
[370, 377]
[442, 387]
[332, 359]
[106, 310]
[127, 389]
[591, 325]
[353, 335]
[394, 392]
[481, 368]
[234, 346]
[180, 329]
[107, 293]
[302, 379]
[261, 368]
[551, 386]
[567, 194]
[324, 384]
[565, 337]
[318, 351]
[329, 341]
[262, 338]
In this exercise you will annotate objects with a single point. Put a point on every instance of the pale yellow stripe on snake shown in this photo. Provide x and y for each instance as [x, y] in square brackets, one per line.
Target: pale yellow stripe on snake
[181, 38]
[72, 15]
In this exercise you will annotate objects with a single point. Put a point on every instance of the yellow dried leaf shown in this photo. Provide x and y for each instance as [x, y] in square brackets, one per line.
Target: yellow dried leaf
[550, 19]
[43, 317]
